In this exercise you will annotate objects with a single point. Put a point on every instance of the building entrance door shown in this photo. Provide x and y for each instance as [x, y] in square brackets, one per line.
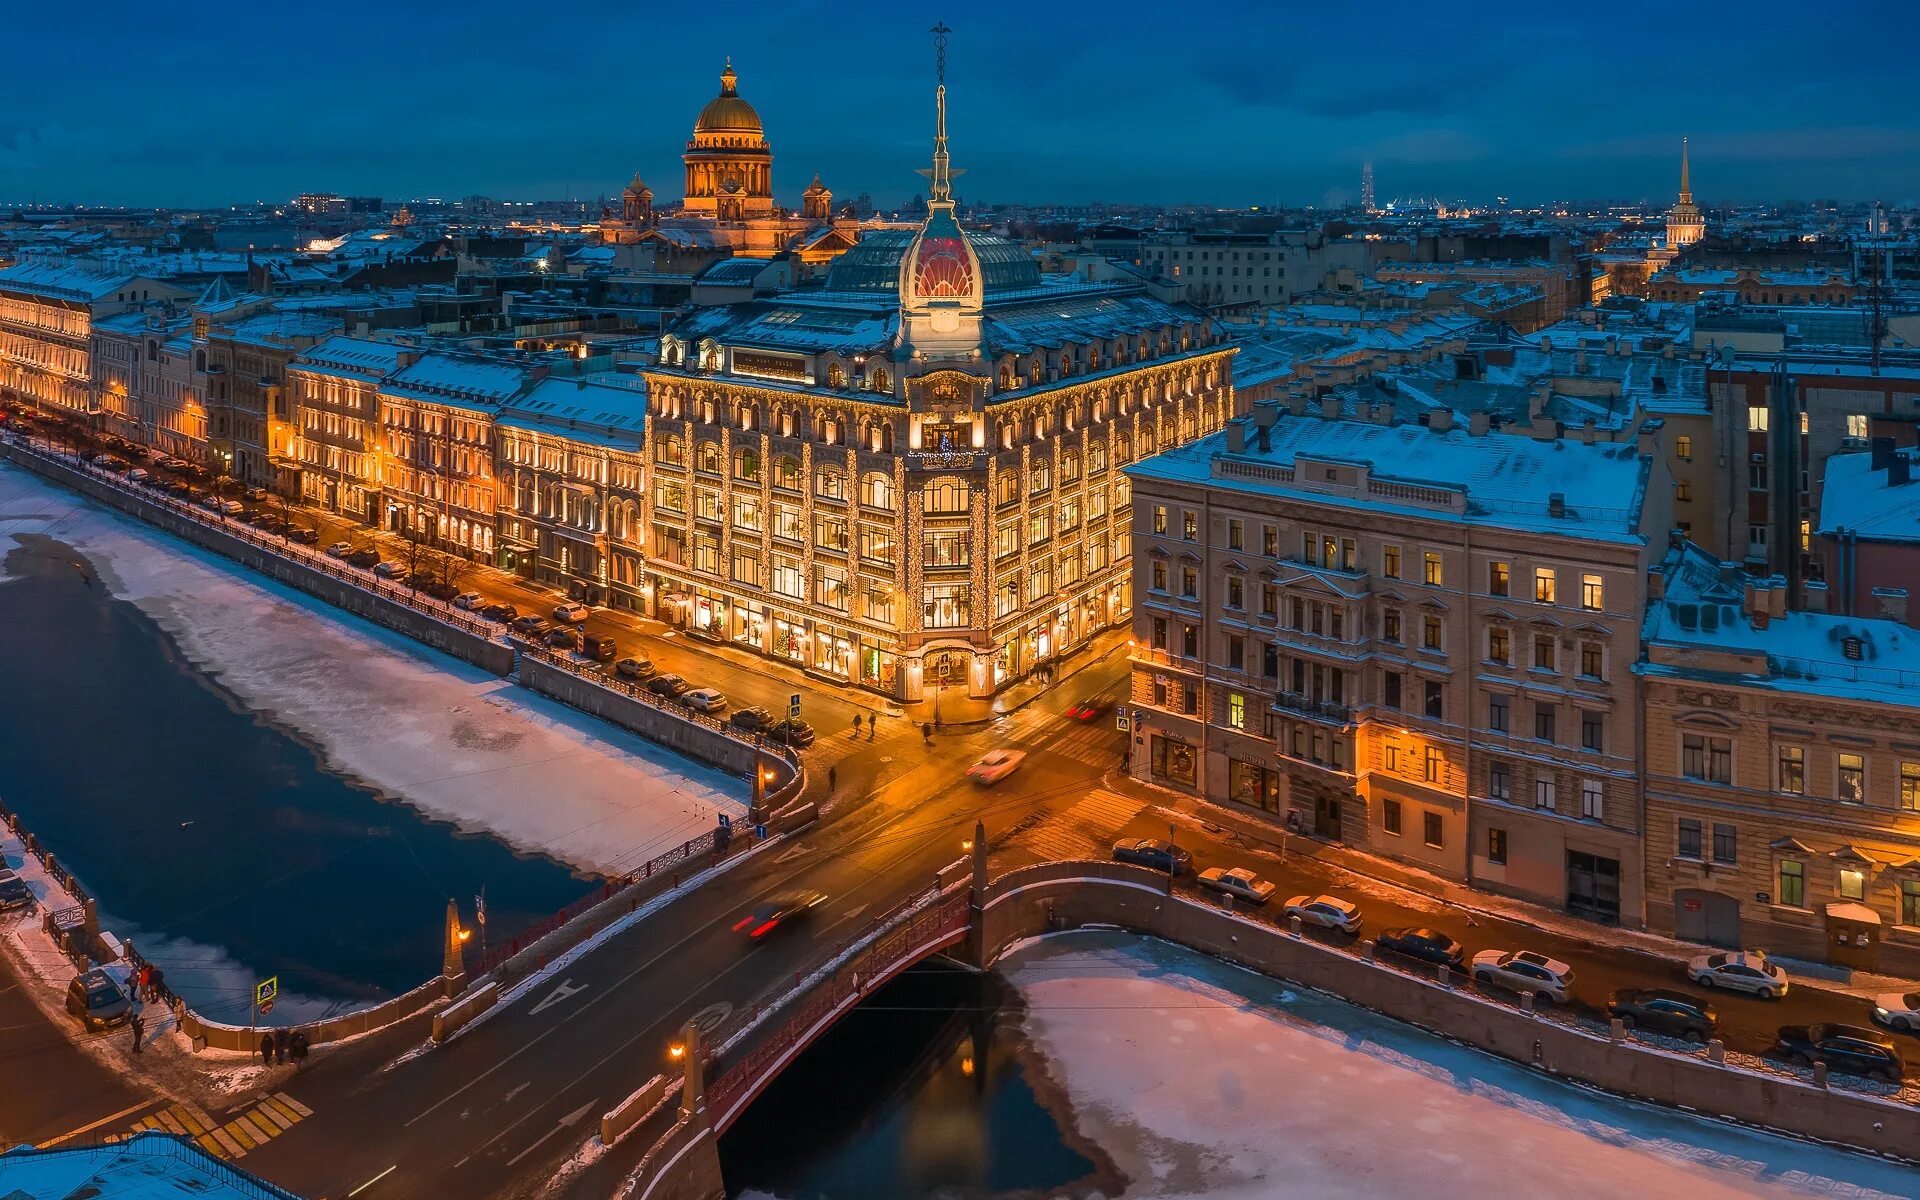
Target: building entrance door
[1326, 815]
[1593, 886]
[1702, 916]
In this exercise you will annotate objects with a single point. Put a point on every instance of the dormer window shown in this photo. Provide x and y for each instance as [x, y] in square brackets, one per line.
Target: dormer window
[836, 376]
[1850, 648]
[881, 381]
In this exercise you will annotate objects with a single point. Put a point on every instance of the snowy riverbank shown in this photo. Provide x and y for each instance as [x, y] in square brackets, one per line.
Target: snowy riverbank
[1202, 1080]
[451, 741]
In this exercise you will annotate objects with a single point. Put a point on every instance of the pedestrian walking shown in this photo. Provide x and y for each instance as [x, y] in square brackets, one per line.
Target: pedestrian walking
[856, 724]
[143, 983]
[139, 1028]
[833, 778]
[871, 722]
[266, 1049]
[158, 983]
[282, 1047]
[926, 731]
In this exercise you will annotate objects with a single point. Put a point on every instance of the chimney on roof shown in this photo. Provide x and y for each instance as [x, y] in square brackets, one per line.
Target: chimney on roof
[1383, 414]
[1814, 595]
[1237, 437]
[1556, 504]
[1729, 573]
[1667, 351]
[1537, 400]
[1330, 407]
[1656, 583]
[1545, 429]
[1890, 604]
[1440, 419]
[1899, 470]
[1588, 428]
[1265, 415]
[1881, 453]
[1297, 403]
[1649, 438]
[1580, 361]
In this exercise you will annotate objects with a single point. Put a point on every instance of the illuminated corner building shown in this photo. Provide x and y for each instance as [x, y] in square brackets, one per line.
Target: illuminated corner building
[47, 315]
[1782, 766]
[1412, 638]
[909, 478]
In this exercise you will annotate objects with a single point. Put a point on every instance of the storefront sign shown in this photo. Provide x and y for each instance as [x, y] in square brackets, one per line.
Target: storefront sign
[770, 366]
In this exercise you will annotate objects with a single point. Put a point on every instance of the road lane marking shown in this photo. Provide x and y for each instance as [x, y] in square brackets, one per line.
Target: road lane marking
[708, 1019]
[556, 996]
[572, 1118]
[376, 1179]
[295, 1105]
[89, 1128]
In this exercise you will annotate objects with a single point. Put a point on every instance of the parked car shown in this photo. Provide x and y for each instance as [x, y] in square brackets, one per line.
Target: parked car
[1089, 709]
[633, 667]
[98, 1000]
[778, 911]
[1739, 971]
[227, 508]
[138, 475]
[365, 557]
[1327, 912]
[1148, 852]
[996, 765]
[14, 892]
[1898, 1011]
[340, 550]
[1525, 971]
[672, 687]
[706, 699]
[532, 625]
[1664, 1011]
[503, 613]
[255, 494]
[1423, 944]
[303, 535]
[469, 601]
[1854, 1049]
[752, 719]
[1238, 882]
[563, 637]
[572, 611]
[599, 649]
[793, 732]
[439, 589]
[391, 570]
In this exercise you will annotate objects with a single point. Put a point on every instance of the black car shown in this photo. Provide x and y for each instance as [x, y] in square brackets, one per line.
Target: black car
[366, 556]
[1664, 1011]
[599, 649]
[532, 625]
[14, 892]
[439, 589]
[671, 686]
[753, 719]
[792, 732]
[778, 911]
[502, 613]
[1161, 856]
[1426, 945]
[303, 535]
[562, 637]
[1851, 1048]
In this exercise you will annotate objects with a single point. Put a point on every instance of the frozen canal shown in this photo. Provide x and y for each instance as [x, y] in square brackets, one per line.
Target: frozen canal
[220, 758]
[1201, 1080]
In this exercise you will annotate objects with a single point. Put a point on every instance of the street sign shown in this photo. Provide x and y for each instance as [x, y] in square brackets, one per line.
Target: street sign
[793, 705]
[760, 831]
[1123, 723]
[726, 822]
[264, 993]
[480, 909]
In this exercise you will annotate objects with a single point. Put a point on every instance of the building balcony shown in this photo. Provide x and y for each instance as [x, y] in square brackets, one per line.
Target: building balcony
[1307, 706]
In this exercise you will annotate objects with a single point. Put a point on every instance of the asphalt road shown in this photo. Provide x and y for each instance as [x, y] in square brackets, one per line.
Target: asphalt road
[54, 1087]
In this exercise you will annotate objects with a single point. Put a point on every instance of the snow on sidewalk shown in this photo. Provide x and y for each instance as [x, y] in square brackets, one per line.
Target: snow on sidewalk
[452, 741]
[1200, 1079]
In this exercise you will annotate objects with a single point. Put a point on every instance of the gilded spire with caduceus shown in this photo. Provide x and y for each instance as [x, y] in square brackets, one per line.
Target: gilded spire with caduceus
[941, 173]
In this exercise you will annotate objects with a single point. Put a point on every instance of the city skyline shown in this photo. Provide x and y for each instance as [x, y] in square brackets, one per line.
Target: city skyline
[1036, 116]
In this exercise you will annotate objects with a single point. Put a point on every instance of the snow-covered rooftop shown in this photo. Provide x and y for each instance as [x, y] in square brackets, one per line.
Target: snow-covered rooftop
[62, 281]
[1862, 501]
[459, 379]
[148, 1166]
[359, 357]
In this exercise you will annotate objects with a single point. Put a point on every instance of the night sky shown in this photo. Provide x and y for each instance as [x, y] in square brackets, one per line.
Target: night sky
[222, 100]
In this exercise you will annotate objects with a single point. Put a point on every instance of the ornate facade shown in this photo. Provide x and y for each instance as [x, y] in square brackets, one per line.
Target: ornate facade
[910, 479]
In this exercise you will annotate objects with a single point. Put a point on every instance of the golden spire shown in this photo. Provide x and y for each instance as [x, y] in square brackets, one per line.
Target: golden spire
[1686, 189]
[941, 173]
[728, 79]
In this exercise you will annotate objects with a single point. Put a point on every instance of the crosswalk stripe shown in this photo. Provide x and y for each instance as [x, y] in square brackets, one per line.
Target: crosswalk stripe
[234, 1148]
[280, 1109]
[270, 1115]
[258, 1124]
[211, 1145]
[242, 1133]
[173, 1126]
[295, 1105]
[185, 1116]
[197, 1114]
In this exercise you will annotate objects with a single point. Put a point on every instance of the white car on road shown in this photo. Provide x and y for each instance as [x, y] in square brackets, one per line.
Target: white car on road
[1525, 971]
[996, 765]
[1328, 912]
[707, 700]
[1898, 1011]
[572, 612]
[1237, 882]
[469, 600]
[1739, 971]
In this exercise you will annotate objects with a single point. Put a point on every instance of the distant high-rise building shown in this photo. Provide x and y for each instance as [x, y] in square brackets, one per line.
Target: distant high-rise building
[1685, 223]
[1366, 187]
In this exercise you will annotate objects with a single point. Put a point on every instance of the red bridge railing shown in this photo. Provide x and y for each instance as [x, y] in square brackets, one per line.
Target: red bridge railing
[854, 972]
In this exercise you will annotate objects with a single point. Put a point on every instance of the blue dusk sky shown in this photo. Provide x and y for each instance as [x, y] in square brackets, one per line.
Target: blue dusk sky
[217, 100]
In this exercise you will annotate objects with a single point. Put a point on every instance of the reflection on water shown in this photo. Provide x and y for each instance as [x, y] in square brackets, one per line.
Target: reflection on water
[218, 843]
[919, 1092]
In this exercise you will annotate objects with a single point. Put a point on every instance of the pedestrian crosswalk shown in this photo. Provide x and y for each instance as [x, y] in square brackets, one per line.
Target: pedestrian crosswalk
[1084, 829]
[253, 1128]
[1097, 745]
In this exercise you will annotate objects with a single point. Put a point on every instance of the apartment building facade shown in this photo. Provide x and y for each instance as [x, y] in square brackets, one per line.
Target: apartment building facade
[335, 387]
[1417, 640]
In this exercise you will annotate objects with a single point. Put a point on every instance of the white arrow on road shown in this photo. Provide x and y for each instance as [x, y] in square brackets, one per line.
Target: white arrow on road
[556, 996]
[788, 855]
[572, 1118]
